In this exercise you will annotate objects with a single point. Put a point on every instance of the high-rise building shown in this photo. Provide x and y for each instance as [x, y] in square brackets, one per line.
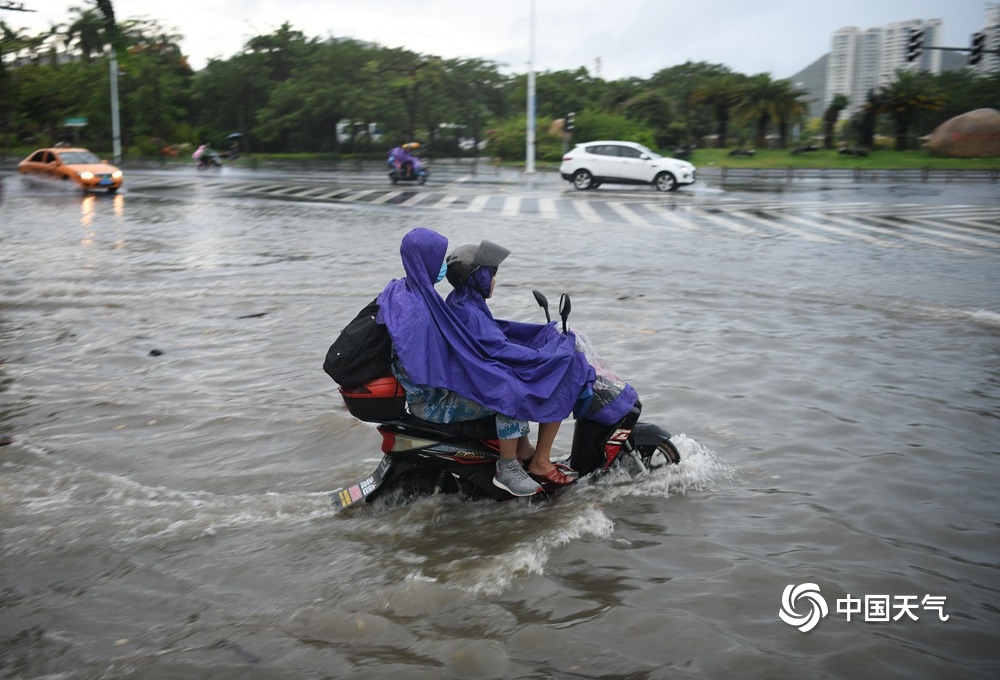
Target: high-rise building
[863, 60]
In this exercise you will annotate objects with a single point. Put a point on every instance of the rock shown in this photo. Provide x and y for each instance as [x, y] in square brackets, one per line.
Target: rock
[975, 134]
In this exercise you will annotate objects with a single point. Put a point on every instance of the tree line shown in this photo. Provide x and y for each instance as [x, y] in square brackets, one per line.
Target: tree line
[287, 92]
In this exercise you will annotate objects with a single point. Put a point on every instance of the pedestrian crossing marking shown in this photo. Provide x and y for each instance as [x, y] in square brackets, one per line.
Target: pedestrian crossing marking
[674, 217]
[627, 214]
[389, 196]
[415, 199]
[873, 240]
[776, 224]
[478, 203]
[511, 206]
[900, 233]
[966, 229]
[547, 207]
[446, 201]
[585, 211]
[359, 195]
[723, 222]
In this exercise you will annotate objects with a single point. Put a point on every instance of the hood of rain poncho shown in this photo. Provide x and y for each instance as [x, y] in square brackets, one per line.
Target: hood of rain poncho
[526, 371]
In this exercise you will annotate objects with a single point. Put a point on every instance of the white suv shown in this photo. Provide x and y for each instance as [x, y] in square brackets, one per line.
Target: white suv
[591, 164]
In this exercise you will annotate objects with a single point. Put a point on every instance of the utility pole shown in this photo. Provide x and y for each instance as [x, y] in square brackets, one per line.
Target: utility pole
[112, 27]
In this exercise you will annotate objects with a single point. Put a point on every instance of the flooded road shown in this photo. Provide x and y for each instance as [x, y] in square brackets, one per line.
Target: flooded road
[165, 504]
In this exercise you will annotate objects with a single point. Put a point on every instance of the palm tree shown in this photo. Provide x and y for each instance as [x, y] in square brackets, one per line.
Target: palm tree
[788, 107]
[839, 103]
[87, 33]
[902, 99]
[722, 93]
[758, 104]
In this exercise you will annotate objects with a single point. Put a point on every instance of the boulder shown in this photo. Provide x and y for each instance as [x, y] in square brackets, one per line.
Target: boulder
[975, 134]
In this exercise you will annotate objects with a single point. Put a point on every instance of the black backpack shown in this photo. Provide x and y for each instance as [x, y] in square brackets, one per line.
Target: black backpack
[362, 351]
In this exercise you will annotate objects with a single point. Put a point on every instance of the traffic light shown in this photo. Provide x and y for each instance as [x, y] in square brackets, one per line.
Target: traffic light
[915, 44]
[570, 125]
[978, 47]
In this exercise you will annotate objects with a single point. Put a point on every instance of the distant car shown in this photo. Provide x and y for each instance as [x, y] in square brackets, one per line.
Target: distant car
[79, 165]
[589, 165]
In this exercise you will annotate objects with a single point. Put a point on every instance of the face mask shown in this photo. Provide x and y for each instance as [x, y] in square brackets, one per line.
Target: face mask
[442, 273]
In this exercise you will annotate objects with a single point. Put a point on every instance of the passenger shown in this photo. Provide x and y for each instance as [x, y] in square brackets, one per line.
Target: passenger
[452, 374]
[472, 272]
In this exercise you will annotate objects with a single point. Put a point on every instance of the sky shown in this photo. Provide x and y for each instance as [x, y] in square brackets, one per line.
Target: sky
[612, 39]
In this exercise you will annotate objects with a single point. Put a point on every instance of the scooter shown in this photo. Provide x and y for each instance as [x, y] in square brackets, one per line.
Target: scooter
[423, 458]
[412, 170]
[206, 158]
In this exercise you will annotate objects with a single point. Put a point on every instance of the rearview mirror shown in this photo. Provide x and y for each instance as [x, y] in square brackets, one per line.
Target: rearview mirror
[542, 302]
[564, 307]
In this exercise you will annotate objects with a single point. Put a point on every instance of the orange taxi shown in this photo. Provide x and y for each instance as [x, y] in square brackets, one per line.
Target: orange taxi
[79, 165]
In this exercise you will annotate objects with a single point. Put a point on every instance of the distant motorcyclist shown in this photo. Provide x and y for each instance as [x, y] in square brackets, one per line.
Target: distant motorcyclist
[401, 159]
[206, 157]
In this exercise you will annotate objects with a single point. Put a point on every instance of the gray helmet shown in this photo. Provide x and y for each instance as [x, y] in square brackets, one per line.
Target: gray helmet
[465, 260]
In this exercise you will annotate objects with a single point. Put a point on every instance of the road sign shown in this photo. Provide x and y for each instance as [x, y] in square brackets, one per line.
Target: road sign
[76, 122]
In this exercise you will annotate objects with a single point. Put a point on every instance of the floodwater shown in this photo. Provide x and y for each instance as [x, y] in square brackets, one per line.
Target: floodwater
[172, 444]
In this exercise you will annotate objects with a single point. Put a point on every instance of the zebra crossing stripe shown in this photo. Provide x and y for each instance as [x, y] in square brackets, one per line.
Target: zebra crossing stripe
[415, 199]
[547, 207]
[897, 233]
[388, 196]
[360, 194]
[627, 214]
[846, 233]
[585, 211]
[955, 233]
[446, 201]
[673, 217]
[306, 192]
[511, 206]
[333, 194]
[477, 204]
[776, 225]
[723, 222]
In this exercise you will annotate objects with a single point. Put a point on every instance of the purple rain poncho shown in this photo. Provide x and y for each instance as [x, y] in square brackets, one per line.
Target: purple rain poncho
[605, 399]
[525, 371]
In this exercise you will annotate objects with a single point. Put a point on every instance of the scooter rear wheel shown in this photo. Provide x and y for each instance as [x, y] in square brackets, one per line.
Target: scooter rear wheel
[417, 483]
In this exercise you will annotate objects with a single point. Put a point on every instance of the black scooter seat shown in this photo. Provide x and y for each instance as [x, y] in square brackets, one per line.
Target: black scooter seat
[484, 428]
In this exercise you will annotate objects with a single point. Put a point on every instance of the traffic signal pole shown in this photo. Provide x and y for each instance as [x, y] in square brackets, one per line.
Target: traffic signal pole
[915, 47]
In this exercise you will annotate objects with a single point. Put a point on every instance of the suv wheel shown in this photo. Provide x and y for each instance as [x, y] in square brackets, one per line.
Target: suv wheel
[583, 180]
[665, 182]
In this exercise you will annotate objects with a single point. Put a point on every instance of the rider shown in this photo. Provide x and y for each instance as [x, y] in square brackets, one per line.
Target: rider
[452, 375]
[401, 159]
[472, 271]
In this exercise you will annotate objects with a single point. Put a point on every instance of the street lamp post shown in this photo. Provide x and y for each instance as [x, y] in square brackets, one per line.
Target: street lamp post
[115, 121]
[529, 152]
